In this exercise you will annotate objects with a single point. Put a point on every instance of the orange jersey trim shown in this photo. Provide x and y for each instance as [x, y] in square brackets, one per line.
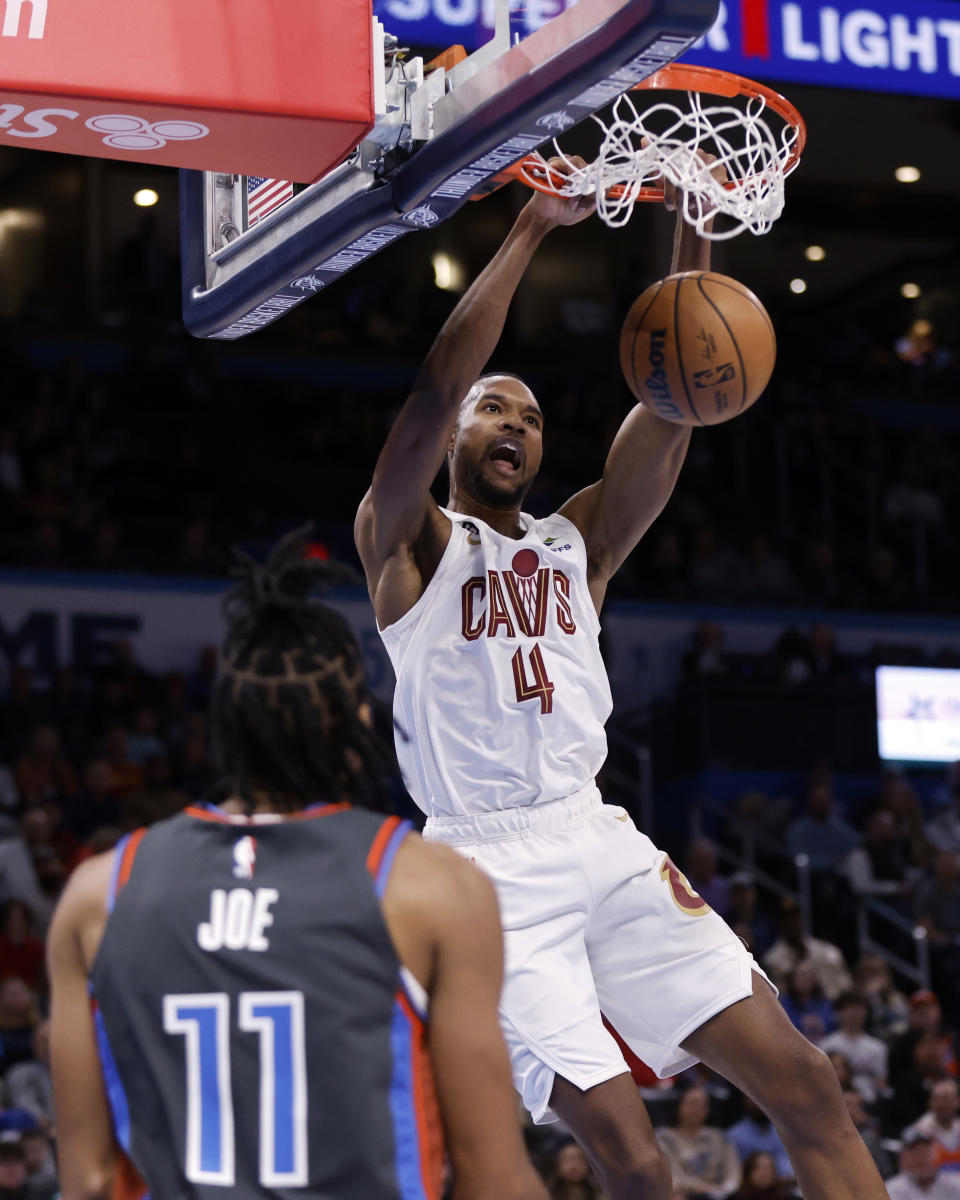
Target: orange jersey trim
[426, 1107]
[127, 1181]
[379, 844]
[126, 862]
[204, 814]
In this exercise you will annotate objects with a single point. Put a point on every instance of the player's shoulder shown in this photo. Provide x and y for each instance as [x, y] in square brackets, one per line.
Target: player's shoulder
[82, 906]
[442, 880]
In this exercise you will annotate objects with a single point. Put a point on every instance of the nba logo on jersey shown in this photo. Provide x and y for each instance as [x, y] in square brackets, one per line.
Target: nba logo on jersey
[244, 857]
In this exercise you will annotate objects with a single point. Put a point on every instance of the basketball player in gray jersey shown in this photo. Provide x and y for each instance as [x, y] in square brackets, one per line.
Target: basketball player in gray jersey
[284, 995]
[490, 617]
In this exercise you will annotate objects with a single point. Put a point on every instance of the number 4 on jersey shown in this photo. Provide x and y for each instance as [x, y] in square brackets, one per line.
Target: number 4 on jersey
[540, 688]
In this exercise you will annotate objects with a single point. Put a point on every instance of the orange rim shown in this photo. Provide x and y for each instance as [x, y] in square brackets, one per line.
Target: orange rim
[680, 77]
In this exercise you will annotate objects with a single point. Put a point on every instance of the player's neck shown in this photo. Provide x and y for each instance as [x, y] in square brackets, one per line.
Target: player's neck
[505, 521]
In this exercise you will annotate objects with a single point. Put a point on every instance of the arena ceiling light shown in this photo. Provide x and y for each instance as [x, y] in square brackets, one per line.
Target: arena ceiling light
[145, 198]
[910, 291]
[815, 253]
[448, 274]
[798, 286]
[907, 174]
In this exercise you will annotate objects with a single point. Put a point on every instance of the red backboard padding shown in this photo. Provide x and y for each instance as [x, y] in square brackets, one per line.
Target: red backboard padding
[282, 89]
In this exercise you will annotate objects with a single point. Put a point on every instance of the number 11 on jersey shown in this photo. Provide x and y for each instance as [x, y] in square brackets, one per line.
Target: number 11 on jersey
[203, 1020]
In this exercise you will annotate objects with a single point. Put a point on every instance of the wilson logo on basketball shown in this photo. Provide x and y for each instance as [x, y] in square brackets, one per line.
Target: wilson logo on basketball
[683, 895]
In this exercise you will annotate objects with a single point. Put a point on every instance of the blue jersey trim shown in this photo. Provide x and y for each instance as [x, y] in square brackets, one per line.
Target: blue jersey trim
[406, 1131]
[389, 854]
[116, 1094]
[115, 873]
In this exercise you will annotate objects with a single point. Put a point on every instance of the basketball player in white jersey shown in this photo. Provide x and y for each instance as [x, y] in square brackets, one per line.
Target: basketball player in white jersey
[490, 618]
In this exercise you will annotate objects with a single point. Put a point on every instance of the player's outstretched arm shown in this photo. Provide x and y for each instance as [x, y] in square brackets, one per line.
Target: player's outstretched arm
[393, 513]
[443, 917]
[87, 1148]
[644, 461]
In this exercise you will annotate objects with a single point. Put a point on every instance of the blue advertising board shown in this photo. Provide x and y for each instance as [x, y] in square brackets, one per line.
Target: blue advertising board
[907, 46]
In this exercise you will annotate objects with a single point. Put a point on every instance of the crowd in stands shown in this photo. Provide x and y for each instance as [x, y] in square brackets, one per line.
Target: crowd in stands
[97, 754]
[157, 455]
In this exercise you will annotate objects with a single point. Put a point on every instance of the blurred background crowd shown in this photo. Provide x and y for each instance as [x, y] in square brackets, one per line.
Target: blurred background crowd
[94, 755]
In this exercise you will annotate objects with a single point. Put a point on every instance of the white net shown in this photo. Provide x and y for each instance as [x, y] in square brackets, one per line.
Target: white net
[743, 179]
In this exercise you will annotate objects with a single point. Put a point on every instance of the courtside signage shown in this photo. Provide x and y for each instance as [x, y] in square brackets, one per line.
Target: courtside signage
[910, 46]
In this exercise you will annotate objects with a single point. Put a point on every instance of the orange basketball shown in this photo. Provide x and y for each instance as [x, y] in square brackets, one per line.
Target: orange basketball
[698, 348]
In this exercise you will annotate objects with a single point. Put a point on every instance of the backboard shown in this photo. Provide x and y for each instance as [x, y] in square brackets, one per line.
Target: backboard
[440, 136]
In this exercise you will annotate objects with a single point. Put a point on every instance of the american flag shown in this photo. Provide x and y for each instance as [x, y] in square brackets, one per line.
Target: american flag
[264, 195]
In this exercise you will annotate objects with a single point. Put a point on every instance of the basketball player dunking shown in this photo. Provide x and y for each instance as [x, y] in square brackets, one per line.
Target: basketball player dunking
[490, 620]
[239, 1001]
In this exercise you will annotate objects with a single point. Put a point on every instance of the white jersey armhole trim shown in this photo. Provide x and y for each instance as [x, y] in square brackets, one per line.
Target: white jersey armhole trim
[581, 542]
[416, 992]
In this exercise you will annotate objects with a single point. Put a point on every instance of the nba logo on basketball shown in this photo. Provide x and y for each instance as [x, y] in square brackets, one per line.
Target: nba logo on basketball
[244, 857]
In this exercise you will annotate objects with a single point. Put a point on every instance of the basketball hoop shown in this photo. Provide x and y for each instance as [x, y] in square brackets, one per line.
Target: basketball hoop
[642, 149]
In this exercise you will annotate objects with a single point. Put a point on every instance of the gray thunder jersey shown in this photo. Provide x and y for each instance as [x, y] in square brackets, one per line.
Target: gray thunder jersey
[254, 1031]
[502, 694]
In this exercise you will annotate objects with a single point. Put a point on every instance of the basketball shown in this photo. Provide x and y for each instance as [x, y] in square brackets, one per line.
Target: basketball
[698, 348]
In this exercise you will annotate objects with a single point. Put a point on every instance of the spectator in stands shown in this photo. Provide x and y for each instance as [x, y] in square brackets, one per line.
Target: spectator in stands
[899, 798]
[866, 1126]
[769, 579]
[14, 1184]
[700, 869]
[126, 776]
[18, 878]
[97, 805]
[825, 838]
[889, 1008]
[912, 1088]
[941, 1123]
[842, 1067]
[19, 1018]
[761, 1179]
[867, 1055]
[571, 1177]
[703, 1162]
[716, 569]
[792, 948]
[9, 796]
[144, 741]
[806, 1005]
[919, 1177]
[755, 1134]
[938, 899]
[926, 1018]
[43, 771]
[21, 952]
[943, 830]
[704, 658]
[744, 915]
[876, 869]
[39, 1161]
[28, 1083]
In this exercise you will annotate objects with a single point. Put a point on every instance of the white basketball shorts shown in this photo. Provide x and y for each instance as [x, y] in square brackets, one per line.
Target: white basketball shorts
[596, 920]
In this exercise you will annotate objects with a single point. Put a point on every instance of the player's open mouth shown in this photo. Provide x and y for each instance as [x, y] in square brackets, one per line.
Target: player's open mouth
[507, 455]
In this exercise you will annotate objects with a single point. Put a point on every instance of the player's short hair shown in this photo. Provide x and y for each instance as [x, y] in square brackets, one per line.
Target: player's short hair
[285, 712]
[479, 385]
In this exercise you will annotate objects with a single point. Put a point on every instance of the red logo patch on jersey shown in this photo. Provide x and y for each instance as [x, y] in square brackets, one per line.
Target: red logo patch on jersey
[525, 563]
[684, 897]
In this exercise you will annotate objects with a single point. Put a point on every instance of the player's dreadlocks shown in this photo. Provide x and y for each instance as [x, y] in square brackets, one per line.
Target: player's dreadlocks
[285, 712]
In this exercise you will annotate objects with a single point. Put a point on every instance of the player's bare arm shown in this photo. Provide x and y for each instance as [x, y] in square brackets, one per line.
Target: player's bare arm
[443, 917]
[87, 1149]
[400, 532]
[644, 461]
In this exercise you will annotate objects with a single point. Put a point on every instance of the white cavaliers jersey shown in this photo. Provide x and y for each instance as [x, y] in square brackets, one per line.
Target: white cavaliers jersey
[501, 694]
